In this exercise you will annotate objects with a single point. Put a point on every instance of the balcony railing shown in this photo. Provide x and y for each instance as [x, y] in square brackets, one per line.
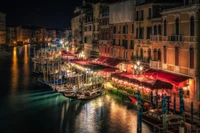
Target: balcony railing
[175, 38]
[104, 14]
[104, 41]
[155, 38]
[155, 64]
[164, 38]
[190, 38]
[104, 26]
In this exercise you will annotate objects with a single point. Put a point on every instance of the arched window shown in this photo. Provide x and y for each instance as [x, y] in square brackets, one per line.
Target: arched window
[126, 32]
[114, 29]
[154, 54]
[192, 58]
[159, 55]
[136, 33]
[165, 54]
[165, 28]
[124, 29]
[159, 30]
[176, 56]
[141, 53]
[137, 53]
[192, 26]
[177, 26]
[149, 54]
[155, 29]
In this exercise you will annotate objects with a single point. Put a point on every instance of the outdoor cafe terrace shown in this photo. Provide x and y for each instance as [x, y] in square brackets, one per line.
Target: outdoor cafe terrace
[86, 64]
[130, 80]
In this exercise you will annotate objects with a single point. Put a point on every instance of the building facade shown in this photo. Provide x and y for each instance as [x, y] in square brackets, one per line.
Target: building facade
[11, 36]
[180, 44]
[2, 28]
[77, 27]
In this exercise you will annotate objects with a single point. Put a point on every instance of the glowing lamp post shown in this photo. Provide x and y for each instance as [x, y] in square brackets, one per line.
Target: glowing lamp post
[82, 55]
[61, 42]
[138, 68]
[87, 71]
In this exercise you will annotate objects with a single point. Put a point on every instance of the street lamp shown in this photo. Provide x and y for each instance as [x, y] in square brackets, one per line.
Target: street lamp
[82, 55]
[87, 71]
[138, 68]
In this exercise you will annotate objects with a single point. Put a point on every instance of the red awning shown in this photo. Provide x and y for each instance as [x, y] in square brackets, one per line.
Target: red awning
[150, 83]
[166, 76]
[101, 59]
[157, 84]
[109, 61]
[82, 62]
[110, 69]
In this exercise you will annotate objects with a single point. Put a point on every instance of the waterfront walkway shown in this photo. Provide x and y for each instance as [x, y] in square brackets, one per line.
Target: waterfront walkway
[190, 127]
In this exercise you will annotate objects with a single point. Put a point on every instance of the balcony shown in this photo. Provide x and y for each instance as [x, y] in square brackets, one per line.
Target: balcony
[155, 64]
[164, 38]
[190, 38]
[104, 41]
[155, 38]
[104, 15]
[191, 72]
[104, 26]
[94, 41]
[175, 38]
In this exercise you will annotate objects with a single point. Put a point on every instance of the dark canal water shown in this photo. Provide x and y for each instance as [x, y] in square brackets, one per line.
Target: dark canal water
[29, 107]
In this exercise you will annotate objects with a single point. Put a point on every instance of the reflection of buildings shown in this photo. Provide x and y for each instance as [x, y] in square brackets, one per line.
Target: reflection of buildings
[2, 28]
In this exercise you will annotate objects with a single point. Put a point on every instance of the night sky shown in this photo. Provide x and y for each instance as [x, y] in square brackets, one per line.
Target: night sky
[45, 13]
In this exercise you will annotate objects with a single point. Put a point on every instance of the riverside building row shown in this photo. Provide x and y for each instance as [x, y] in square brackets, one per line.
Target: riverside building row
[163, 35]
[19, 35]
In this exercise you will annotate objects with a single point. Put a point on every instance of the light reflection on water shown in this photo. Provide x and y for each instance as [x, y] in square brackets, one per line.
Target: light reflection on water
[14, 72]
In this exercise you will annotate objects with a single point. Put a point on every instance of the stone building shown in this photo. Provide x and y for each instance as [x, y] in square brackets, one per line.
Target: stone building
[180, 45]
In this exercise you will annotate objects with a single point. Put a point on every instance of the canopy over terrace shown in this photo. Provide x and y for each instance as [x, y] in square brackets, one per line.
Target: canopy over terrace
[143, 81]
[175, 79]
[67, 55]
[94, 66]
[108, 61]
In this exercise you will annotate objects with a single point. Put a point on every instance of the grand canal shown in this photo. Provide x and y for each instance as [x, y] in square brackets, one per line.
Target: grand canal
[29, 107]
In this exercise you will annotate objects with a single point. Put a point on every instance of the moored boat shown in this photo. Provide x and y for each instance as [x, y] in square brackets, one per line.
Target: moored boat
[91, 94]
[70, 94]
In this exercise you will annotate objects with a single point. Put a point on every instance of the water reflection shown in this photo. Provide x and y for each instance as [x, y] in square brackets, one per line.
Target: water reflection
[26, 66]
[14, 71]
